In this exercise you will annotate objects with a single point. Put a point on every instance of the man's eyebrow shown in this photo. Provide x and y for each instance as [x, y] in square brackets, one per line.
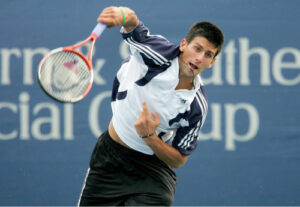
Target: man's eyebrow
[209, 51]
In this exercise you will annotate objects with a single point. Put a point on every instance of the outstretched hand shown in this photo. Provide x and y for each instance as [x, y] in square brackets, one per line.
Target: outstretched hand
[111, 16]
[116, 16]
[145, 125]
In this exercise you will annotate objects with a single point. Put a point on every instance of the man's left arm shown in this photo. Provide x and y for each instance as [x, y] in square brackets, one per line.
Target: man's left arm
[165, 152]
[145, 127]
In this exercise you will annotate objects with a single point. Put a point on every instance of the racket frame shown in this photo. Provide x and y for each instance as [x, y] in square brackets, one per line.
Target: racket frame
[88, 60]
[89, 65]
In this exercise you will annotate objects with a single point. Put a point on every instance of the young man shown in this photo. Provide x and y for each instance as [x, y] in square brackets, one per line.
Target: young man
[159, 105]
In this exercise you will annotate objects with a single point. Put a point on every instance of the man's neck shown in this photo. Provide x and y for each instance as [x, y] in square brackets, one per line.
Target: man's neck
[185, 84]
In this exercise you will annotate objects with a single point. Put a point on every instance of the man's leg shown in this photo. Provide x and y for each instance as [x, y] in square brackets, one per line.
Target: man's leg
[150, 199]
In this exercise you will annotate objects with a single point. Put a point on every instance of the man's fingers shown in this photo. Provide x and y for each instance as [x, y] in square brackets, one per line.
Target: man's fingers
[111, 16]
[145, 111]
[155, 118]
[145, 115]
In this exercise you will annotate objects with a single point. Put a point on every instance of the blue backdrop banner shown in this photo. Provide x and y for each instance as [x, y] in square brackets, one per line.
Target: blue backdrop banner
[249, 148]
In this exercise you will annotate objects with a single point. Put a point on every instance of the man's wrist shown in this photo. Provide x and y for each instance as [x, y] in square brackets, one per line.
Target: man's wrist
[147, 136]
[123, 14]
[129, 19]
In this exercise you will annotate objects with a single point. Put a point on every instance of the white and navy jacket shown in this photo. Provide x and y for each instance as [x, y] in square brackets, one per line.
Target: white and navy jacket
[150, 74]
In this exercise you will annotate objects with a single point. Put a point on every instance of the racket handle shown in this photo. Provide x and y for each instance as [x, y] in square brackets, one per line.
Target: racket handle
[100, 27]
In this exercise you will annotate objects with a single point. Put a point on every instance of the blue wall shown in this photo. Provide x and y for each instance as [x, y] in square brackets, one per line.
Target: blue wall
[249, 152]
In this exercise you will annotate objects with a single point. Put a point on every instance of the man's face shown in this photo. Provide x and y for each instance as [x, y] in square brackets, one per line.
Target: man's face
[196, 56]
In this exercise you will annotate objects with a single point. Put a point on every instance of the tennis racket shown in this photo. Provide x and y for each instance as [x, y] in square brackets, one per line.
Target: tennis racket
[65, 74]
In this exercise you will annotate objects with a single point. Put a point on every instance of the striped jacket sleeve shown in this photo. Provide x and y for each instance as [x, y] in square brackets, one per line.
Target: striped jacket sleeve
[155, 49]
[186, 138]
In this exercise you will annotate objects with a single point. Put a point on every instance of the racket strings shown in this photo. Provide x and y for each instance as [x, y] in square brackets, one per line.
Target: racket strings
[65, 76]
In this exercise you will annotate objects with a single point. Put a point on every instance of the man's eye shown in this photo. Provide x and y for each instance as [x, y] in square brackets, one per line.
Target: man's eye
[208, 55]
[198, 49]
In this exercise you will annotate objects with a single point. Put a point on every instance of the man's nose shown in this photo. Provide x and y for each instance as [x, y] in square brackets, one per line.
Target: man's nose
[200, 57]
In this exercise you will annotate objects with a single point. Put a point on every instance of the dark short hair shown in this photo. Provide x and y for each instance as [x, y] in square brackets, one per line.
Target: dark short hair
[208, 30]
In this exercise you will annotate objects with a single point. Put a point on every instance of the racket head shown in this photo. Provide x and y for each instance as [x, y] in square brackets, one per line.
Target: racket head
[65, 75]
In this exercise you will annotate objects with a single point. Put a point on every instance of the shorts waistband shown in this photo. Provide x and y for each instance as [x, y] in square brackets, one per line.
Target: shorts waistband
[109, 140]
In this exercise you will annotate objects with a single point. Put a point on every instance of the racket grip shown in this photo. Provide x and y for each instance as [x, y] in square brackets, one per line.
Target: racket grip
[100, 27]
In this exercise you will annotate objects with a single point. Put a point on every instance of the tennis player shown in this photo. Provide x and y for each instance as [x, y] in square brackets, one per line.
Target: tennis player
[159, 105]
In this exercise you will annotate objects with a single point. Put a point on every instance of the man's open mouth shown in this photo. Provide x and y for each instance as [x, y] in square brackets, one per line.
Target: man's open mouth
[193, 67]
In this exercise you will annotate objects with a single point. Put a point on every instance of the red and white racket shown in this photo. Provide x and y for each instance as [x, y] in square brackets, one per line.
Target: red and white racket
[65, 74]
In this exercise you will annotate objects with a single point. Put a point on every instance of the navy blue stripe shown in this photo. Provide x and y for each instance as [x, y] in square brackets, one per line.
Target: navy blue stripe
[115, 88]
[121, 95]
[116, 95]
[151, 73]
[178, 118]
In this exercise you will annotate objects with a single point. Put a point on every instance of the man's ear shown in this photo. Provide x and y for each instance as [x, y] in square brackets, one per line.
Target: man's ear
[183, 43]
[212, 62]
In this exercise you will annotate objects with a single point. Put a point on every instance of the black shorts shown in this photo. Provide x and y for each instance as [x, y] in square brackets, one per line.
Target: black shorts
[121, 176]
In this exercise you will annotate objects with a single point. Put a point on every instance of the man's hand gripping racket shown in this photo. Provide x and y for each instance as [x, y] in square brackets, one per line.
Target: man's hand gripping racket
[65, 74]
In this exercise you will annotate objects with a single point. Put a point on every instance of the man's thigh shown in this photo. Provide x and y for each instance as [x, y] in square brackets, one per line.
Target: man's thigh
[150, 199]
[96, 201]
